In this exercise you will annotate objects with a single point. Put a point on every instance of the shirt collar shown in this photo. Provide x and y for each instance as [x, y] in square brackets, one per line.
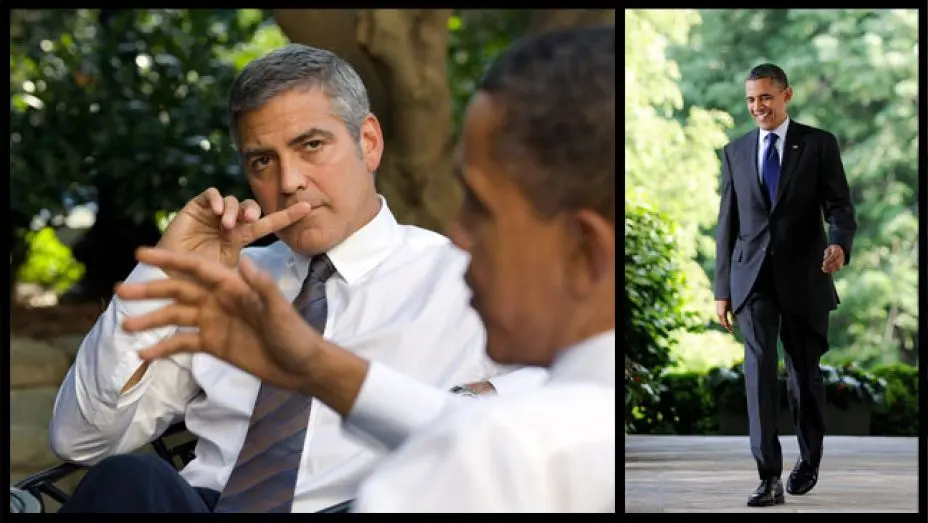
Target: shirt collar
[362, 251]
[593, 359]
[779, 131]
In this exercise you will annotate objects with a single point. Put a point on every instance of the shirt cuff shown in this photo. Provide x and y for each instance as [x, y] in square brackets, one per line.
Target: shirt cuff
[390, 406]
[520, 380]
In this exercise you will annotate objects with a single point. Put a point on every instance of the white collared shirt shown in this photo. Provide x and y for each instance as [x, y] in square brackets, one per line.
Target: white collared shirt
[546, 450]
[762, 145]
[398, 298]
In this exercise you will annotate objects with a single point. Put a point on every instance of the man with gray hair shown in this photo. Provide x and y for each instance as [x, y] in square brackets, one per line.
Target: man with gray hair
[310, 146]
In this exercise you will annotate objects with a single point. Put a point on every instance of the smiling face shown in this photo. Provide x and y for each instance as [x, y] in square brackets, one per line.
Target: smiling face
[766, 101]
[294, 148]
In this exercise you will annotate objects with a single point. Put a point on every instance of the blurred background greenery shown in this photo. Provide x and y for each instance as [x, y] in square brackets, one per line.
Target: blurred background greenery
[855, 73]
[118, 117]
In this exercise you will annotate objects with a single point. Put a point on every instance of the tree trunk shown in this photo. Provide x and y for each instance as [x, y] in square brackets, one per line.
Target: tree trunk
[400, 55]
[545, 20]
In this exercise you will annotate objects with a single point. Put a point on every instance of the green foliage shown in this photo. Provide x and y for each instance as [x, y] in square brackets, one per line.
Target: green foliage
[653, 306]
[476, 37]
[670, 158]
[703, 350]
[689, 402]
[653, 279]
[683, 407]
[641, 389]
[135, 104]
[267, 36]
[50, 263]
[843, 385]
[898, 414]
[854, 73]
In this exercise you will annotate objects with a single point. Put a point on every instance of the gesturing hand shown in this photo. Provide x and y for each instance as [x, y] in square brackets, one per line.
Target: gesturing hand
[218, 228]
[240, 316]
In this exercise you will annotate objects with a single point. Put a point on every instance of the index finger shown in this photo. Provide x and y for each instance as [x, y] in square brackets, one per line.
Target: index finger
[276, 221]
[201, 270]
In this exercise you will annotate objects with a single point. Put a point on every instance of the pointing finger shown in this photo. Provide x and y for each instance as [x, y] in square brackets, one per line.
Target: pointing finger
[275, 221]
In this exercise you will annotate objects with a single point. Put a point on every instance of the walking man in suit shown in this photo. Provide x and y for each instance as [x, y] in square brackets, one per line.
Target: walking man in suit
[773, 270]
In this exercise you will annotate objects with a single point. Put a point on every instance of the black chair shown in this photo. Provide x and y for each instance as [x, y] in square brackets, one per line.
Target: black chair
[42, 484]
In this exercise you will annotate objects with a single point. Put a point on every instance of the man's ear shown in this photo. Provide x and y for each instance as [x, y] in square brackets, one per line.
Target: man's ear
[371, 141]
[593, 246]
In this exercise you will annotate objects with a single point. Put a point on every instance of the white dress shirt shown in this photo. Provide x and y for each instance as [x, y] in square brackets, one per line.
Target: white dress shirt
[762, 145]
[398, 298]
[547, 450]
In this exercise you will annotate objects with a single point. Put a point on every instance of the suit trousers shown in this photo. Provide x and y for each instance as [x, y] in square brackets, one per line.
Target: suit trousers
[805, 340]
[140, 484]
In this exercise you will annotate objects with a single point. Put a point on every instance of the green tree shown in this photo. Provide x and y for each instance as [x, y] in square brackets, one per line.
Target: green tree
[854, 73]
[670, 155]
[125, 109]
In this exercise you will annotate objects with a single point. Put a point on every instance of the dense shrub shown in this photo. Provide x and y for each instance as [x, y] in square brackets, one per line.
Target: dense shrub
[653, 306]
[689, 403]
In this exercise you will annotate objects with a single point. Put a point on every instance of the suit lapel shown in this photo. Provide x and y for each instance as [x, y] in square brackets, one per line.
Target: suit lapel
[749, 155]
[792, 149]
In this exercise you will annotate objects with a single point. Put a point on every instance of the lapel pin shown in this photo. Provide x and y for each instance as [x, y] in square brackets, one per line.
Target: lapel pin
[795, 147]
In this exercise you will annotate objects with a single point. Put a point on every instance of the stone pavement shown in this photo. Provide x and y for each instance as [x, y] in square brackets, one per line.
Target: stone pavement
[37, 369]
[717, 473]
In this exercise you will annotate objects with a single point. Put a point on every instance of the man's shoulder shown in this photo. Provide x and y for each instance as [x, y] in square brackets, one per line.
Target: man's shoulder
[421, 238]
[424, 245]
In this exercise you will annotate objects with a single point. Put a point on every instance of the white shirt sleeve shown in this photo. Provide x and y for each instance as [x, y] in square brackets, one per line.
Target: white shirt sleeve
[390, 405]
[502, 456]
[91, 418]
[515, 380]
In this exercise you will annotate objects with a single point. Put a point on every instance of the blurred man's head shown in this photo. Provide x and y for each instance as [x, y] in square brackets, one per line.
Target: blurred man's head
[767, 92]
[302, 124]
[537, 163]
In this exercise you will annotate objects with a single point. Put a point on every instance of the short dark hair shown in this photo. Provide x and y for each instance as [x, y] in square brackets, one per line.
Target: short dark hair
[771, 71]
[297, 66]
[556, 94]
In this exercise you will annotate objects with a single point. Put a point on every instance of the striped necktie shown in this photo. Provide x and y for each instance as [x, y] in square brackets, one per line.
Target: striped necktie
[264, 477]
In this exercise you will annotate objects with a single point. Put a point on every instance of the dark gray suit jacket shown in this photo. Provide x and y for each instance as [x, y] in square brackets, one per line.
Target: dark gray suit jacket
[790, 230]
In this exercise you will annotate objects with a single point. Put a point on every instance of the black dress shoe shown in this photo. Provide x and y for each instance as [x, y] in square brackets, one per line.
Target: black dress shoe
[803, 477]
[769, 493]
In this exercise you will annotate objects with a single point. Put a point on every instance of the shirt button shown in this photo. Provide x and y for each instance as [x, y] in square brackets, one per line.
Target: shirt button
[290, 263]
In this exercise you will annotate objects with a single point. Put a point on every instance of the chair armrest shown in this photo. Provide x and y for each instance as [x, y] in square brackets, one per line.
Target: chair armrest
[340, 508]
[43, 483]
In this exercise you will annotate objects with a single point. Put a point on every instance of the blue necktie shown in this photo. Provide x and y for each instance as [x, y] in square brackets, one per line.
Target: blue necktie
[771, 167]
[264, 477]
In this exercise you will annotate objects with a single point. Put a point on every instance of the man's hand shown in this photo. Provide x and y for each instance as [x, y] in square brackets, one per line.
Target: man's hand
[239, 316]
[217, 228]
[725, 314]
[833, 259]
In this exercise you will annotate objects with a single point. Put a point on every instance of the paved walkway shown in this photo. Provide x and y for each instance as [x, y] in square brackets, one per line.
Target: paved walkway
[717, 473]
